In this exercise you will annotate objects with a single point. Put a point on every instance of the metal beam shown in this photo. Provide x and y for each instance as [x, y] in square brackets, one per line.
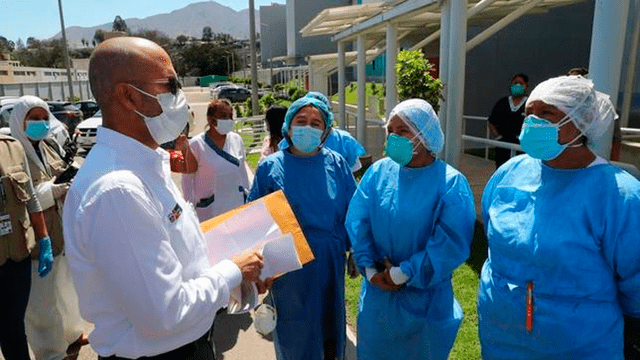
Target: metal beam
[342, 98]
[402, 9]
[502, 23]
[360, 122]
[391, 75]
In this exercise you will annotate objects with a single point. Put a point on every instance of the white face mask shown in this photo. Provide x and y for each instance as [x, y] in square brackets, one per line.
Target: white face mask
[224, 126]
[170, 123]
[265, 319]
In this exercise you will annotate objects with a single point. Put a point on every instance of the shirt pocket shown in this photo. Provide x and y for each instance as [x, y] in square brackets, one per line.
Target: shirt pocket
[19, 182]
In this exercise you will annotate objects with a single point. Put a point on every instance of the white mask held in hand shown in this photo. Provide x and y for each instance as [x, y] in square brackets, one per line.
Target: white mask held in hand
[265, 319]
[224, 126]
[170, 123]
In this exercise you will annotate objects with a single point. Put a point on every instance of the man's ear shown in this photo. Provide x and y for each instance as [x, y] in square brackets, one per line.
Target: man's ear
[127, 96]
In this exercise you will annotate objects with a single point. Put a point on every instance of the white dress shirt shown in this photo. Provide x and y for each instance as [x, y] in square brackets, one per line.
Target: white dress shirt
[137, 254]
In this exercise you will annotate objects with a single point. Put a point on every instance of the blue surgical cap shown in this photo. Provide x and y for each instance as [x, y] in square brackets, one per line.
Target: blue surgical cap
[320, 96]
[327, 115]
[419, 115]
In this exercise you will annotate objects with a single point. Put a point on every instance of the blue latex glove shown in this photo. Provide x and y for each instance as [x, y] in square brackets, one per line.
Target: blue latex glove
[45, 257]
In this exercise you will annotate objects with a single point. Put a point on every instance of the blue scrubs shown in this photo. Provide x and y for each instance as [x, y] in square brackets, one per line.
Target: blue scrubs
[576, 235]
[341, 142]
[310, 301]
[421, 219]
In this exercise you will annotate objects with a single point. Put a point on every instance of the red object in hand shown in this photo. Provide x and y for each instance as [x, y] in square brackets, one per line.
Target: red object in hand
[529, 299]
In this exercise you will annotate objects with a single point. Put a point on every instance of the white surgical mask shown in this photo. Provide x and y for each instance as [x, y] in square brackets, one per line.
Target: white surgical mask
[168, 125]
[306, 138]
[224, 126]
[265, 319]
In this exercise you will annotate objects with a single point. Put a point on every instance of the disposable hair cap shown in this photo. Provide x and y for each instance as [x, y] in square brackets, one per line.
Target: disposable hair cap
[424, 122]
[591, 111]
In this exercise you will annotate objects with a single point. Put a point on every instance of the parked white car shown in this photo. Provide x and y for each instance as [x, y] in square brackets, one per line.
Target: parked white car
[88, 129]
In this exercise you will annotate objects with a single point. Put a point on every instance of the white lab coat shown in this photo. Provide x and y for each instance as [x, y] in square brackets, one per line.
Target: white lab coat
[221, 178]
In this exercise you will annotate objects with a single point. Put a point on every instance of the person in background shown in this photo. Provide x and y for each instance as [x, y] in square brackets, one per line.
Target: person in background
[505, 121]
[22, 225]
[274, 118]
[411, 223]
[338, 140]
[53, 321]
[134, 244]
[562, 226]
[221, 182]
[318, 184]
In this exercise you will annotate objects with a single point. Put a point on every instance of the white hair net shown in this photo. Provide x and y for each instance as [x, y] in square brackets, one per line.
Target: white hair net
[591, 111]
[420, 117]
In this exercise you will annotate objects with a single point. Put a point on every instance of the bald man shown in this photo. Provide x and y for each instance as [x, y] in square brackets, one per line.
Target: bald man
[135, 248]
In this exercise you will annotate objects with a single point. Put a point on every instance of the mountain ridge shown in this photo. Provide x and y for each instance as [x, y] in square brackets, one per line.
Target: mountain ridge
[188, 21]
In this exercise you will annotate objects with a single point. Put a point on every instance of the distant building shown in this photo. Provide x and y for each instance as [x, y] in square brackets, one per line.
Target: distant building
[280, 27]
[11, 72]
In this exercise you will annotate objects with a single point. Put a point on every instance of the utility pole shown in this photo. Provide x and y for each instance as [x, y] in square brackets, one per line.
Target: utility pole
[66, 53]
[254, 67]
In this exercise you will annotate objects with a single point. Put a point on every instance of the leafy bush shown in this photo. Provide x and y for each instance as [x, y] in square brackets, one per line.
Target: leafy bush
[414, 80]
[268, 100]
[298, 93]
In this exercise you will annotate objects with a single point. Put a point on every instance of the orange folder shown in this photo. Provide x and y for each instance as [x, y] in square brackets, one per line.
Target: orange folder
[281, 212]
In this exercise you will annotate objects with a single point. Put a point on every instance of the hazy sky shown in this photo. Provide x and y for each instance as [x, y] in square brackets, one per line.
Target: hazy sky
[41, 18]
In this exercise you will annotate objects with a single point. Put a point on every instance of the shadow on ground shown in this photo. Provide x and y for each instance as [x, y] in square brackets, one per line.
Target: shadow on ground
[479, 248]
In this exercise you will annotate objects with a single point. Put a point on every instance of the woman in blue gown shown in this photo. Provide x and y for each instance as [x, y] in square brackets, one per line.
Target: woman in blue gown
[318, 185]
[411, 224]
[563, 227]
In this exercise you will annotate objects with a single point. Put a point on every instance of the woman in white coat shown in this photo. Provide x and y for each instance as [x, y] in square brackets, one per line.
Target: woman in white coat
[221, 182]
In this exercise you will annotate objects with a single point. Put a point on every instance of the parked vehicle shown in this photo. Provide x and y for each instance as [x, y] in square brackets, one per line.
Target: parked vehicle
[88, 108]
[67, 113]
[87, 131]
[233, 94]
[6, 107]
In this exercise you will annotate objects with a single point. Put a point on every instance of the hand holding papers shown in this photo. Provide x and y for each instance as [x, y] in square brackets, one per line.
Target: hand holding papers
[267, 225]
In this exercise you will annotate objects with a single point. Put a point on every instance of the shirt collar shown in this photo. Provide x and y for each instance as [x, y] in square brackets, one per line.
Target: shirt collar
[133, 154]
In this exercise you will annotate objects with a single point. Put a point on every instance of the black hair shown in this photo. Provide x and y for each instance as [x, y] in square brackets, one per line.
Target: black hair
[274, 116]
[520, 75]
[580, 70]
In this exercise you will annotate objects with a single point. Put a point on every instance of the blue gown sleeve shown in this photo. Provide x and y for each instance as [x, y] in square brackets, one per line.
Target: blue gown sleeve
[358, 224]
[259, 188]
[621, 245]
[449, 244]
[350, 189]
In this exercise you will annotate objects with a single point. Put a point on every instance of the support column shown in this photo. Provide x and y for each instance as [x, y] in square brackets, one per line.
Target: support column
[342, 110]
[631, 67]
[445, 18]
[360, 122]
[456, 74]
[605, 59]
[392, 76]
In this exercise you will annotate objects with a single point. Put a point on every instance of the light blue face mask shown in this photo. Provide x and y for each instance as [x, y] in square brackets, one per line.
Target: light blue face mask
[539, 137]
[517, 90]
[37, 129]
[399, 149]
[306, 138]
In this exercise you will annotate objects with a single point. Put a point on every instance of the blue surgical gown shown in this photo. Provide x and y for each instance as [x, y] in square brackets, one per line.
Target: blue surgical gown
[421, 219]
[310, 301]
[341, 142]
[576, 235]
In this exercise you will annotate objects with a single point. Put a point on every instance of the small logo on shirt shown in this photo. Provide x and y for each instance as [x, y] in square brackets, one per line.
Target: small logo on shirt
[175, 213]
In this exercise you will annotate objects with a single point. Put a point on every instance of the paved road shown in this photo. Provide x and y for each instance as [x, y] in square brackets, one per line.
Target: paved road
[235, 336]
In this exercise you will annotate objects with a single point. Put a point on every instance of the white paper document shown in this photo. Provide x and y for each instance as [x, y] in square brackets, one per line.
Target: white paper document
[249, 228]
[280, 257]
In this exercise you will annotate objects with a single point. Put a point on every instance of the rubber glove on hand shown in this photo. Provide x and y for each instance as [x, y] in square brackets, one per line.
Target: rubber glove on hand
[45, 257]
[59, 190]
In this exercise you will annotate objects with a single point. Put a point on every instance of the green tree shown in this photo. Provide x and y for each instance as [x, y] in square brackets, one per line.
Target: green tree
[98, 37]
[414, 79]
[120, 25]
[207, 34]
[181, 40]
